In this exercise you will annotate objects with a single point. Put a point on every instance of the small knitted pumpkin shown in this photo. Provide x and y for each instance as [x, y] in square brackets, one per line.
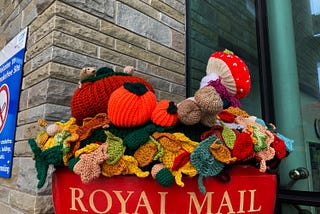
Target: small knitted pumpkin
[165, 113]
[93, 96]
[131, 105]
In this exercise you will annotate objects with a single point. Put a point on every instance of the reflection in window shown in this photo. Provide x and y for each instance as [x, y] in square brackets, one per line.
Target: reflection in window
[319, 75]
[215, 25]
[315, 7]
[315, 12]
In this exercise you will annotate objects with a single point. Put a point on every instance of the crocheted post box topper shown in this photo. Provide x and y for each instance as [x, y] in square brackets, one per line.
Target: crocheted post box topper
[93, 96]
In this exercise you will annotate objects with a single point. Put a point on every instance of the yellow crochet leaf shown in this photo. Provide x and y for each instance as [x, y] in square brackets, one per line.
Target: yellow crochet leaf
[186, 142]
[132, 167]
[50, 143]
[87, 149]
[187, 169]
[222, 153]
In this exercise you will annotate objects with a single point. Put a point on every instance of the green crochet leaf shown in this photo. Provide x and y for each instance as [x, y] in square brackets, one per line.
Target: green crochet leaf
[52, 156]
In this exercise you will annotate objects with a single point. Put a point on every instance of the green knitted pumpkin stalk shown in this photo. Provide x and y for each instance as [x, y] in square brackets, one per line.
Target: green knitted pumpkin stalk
[172, 109]
[103, 73]
[136, 88]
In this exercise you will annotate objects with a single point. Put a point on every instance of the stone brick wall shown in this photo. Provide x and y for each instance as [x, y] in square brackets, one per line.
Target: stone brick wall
[65, 36]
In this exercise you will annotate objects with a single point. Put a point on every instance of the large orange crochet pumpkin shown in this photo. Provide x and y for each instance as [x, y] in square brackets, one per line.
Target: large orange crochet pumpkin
[131, 105]
[93, 95]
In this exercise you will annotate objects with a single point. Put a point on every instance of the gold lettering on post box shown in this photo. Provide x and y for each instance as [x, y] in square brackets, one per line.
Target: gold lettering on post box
[241, 201]
[143, 202]
[123, 201]
[194, 200]
[252, 192]
[226, 202]
[108, 197]
[75, 199]
[163, 202]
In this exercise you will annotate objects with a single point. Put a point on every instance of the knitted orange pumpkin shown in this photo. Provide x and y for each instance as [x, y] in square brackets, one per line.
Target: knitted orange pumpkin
[93, 96]
[165, 113]
[131, 105]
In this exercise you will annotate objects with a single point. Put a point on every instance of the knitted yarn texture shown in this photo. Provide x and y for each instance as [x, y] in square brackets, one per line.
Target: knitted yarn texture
[93, 96]
[88, 167]
[131, 105]
[204, 161]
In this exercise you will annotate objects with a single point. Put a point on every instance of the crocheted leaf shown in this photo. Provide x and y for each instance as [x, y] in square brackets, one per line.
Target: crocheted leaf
[261, 137]
[116, 148]
[222, 153]
[160, 149]
[181, 160]
[229, 136]
[135, 139]
[45, 158]
[204, 162]
[139, 137]
[289, 142]
[279, 147]
[243, 146]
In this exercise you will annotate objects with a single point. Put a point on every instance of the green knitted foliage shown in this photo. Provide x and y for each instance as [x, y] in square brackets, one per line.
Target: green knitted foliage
[103, 73]
[160, 149]
[202, 159]
[72, 162]
[60, 138]
[98, 135]
[104, 70]
[229, 136]
[140, 136]
[135, 139]
[52, 156]
[262, 139]
[193, 132]
[115, 149]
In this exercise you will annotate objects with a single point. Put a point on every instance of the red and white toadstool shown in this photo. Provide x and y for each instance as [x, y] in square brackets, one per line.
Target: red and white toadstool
[233, 72]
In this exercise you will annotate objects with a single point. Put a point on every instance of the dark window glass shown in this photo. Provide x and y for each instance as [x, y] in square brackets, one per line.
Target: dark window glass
[215, 25]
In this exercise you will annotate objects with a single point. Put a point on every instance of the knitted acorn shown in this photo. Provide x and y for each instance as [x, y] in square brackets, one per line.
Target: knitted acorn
[162, 175]
[51, 129]
[131, 105]
[93, 96]
[165, 113]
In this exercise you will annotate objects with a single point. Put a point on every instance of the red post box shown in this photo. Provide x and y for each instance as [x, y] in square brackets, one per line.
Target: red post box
[248, 191]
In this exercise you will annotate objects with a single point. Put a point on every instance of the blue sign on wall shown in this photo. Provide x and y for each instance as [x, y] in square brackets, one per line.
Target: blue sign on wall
[11, 63]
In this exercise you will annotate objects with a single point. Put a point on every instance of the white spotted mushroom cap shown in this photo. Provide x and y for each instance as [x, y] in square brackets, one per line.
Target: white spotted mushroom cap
[233, 71]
